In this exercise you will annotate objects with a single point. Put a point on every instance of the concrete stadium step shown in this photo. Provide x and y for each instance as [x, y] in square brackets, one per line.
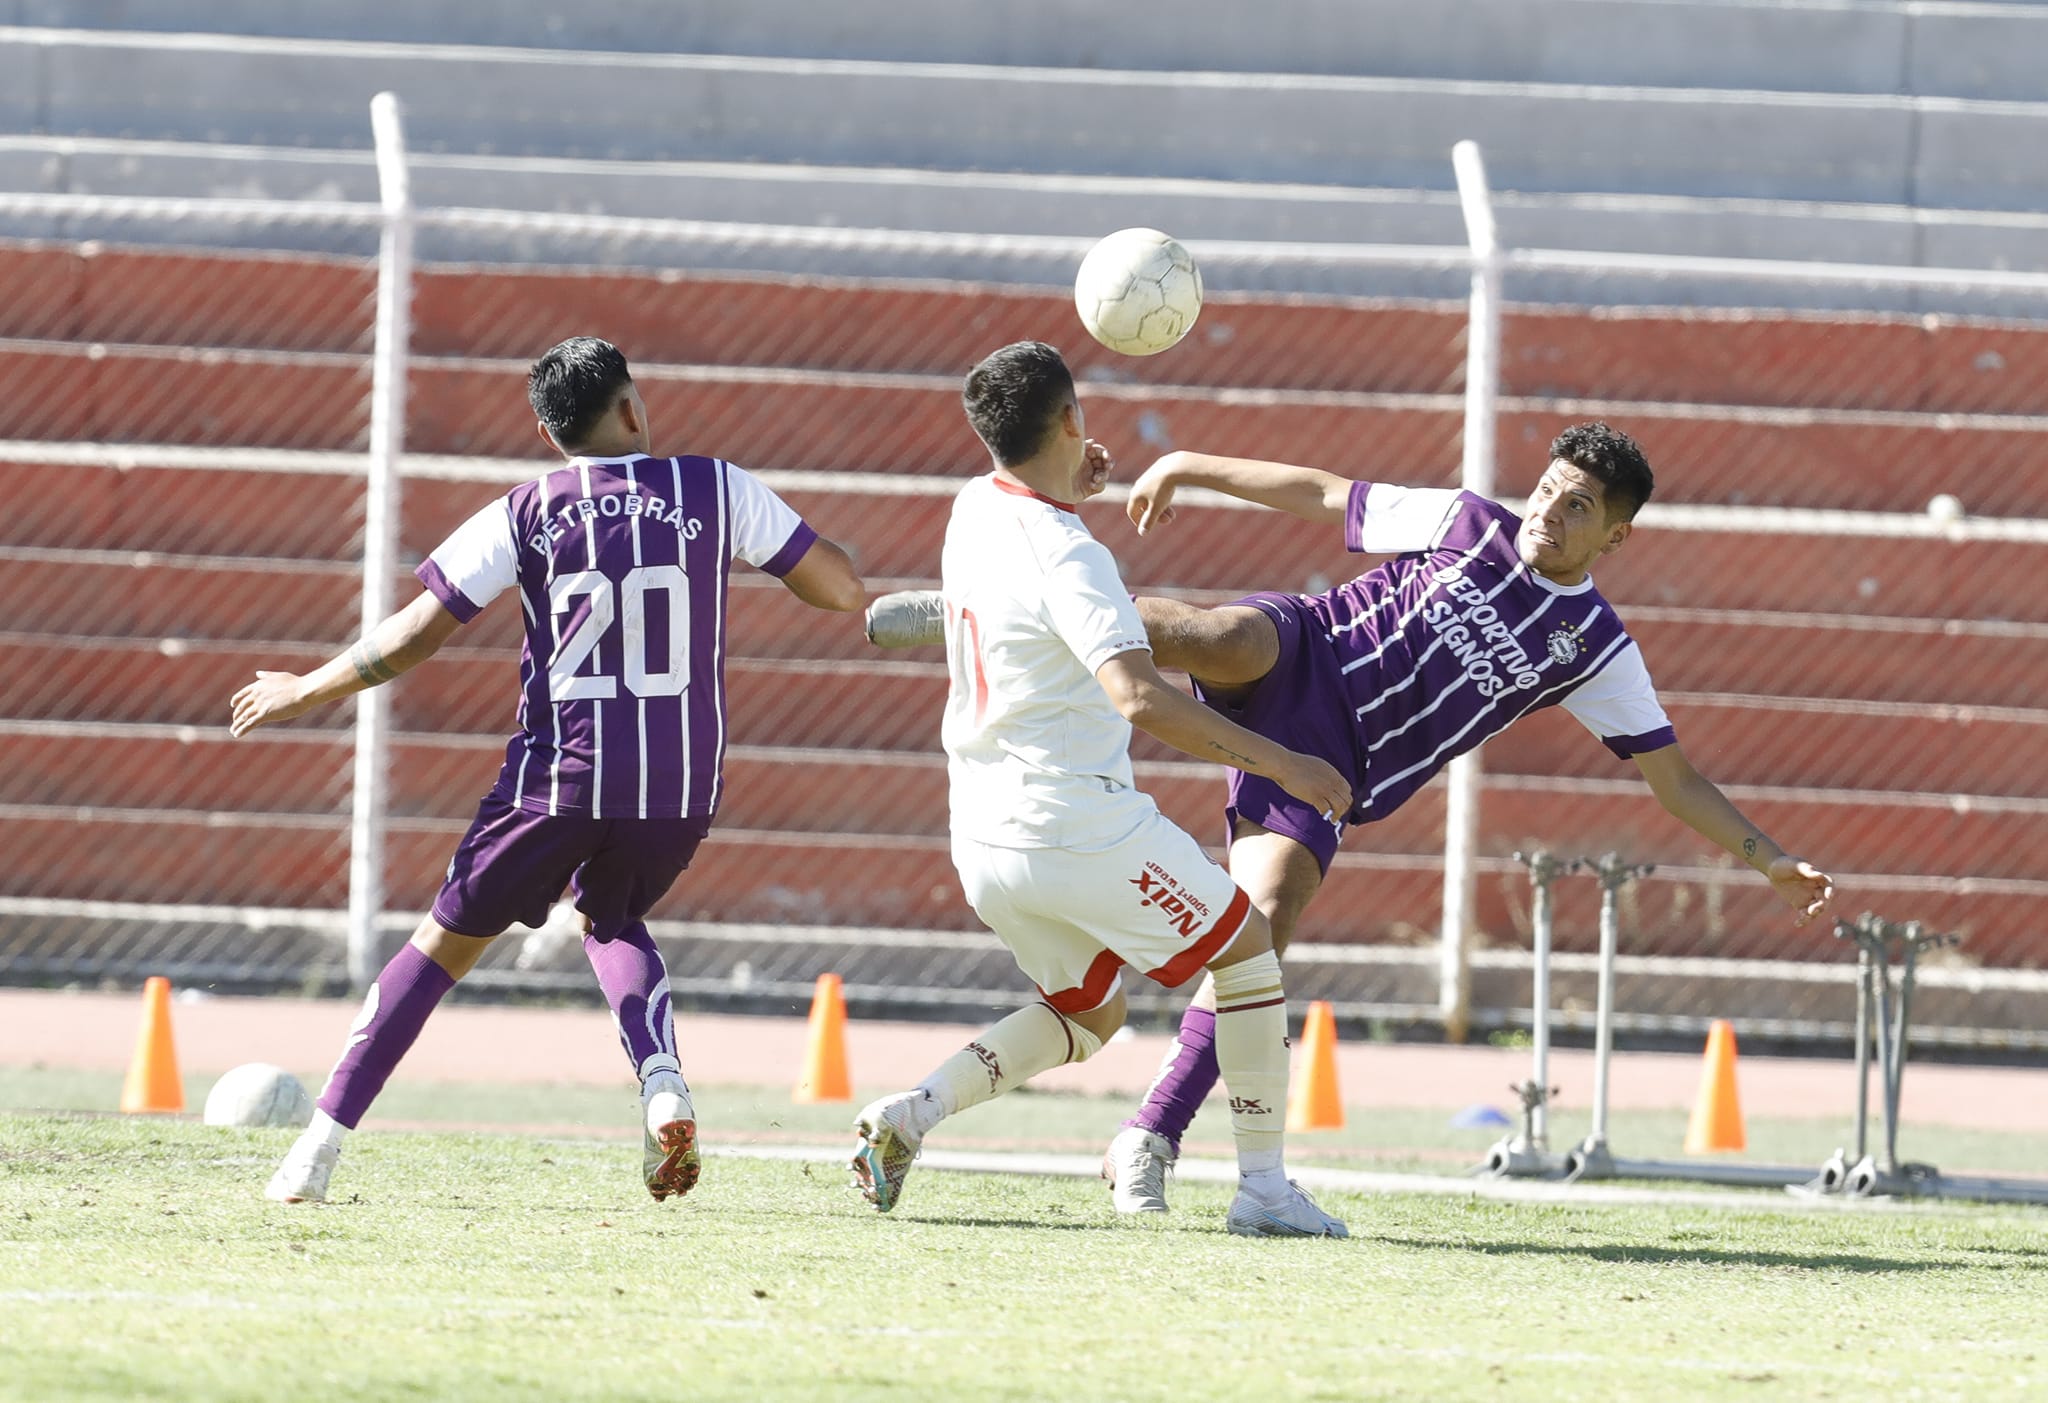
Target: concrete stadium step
[984, 203]
[817, 791]
[464, 691]
[903, 425]
[1538, 136]
[896, 707]
[141, 595]
[313, 517]
[231, 512]
[196, 511]
[746, 875]
[1785, 360]
[148, 597]
[1694, 569]
[1953, 51]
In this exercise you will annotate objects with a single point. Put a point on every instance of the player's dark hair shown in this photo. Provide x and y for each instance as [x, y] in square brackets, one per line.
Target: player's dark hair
[574, 386]
[1014, 398]
[1614, 460]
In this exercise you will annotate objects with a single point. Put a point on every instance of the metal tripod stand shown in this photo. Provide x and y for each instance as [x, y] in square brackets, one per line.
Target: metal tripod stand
[1882, 1028]
[1528, 1153]
[1593, 1159]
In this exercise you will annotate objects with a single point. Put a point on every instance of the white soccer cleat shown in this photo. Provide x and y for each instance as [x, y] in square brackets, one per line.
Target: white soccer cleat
[889, 1142]
[302, 1176]
[1136, 1167]
[910, 618]
[1293, 1214]
[670, 1158]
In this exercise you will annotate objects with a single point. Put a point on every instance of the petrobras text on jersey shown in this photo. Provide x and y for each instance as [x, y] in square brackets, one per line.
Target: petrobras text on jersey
[581, 509]
[1476, 635]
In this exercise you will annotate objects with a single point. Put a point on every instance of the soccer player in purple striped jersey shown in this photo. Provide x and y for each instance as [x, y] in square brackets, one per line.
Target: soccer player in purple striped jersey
[619, 559]
[1483, 617]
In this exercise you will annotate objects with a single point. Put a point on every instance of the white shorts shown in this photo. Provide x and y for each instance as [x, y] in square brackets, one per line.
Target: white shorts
[1073, 920]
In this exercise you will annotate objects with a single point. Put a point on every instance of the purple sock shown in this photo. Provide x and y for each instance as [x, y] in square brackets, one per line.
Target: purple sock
[1184, 1081]
[635, 984]
[394, 1011]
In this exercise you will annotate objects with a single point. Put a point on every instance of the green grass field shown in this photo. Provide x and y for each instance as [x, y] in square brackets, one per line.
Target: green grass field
[138, 1261]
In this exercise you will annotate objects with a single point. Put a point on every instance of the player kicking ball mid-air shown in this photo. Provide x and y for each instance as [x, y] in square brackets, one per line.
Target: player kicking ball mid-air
[620, 560]
[1484, 616]
[1058, 851]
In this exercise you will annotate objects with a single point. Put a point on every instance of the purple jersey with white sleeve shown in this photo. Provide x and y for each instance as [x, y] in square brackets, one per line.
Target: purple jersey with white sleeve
[621, 568]
[1392, 675]
[1457, 637]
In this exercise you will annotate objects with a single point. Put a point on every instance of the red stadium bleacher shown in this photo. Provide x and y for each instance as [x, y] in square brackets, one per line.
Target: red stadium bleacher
[1873, 699]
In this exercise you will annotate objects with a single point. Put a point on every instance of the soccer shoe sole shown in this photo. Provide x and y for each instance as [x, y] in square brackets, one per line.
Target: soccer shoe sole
[869, 1174]
[906, 619]
[680, 1163]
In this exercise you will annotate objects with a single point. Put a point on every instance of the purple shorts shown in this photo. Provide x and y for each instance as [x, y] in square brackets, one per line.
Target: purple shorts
[511, 865]
[1301, 704]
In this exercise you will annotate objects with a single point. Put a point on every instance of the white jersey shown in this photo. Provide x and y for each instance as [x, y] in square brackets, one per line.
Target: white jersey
[1037, 757]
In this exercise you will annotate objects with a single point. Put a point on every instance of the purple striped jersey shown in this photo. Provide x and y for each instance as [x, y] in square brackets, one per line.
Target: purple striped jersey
[1450, 642]
[621, 566]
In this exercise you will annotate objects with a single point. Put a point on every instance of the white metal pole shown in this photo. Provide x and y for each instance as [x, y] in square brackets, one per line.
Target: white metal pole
[380, 531]
[1482, 390]
[1603, 1010]
[1539, 1021]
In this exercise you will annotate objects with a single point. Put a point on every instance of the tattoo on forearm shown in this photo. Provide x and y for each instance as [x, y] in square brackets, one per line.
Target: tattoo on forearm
[1243, 762]
[1749, 847]
[370, 665]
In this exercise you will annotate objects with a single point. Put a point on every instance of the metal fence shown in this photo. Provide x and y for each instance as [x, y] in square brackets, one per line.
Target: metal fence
[197, 415]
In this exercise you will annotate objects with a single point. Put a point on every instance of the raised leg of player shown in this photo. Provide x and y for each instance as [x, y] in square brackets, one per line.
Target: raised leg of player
[1280, 876]
[408, 988]
[635, 982]
[1233, 646]
[1010, 1053]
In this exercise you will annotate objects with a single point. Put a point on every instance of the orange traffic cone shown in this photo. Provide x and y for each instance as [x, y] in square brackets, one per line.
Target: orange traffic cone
[1315, 1102]
[825, 1077]
[1717, 1114]
[153, 1083]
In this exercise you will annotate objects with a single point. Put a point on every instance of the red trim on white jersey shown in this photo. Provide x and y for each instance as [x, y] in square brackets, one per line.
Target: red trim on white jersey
[1018, 489]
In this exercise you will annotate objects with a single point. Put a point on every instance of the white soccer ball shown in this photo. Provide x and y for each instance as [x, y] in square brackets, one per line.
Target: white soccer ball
[257, 1093]
[1138, 291]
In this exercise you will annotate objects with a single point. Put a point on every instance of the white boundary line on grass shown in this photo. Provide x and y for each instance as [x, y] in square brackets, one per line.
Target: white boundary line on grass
[1370, 1182]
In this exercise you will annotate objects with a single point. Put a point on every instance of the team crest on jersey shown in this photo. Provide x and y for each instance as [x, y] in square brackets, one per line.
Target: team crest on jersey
[1564, 645]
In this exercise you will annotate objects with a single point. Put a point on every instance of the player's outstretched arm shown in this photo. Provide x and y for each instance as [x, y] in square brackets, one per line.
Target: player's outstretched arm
[1165, 712]
[1309, 493]
[1695, 801]
[403, 641]
[825, 579]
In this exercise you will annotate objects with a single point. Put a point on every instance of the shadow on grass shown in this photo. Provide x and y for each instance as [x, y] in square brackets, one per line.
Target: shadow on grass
[1957, 1259]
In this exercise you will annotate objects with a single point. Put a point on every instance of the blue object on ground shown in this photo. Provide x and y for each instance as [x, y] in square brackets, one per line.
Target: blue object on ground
[1478, 1117]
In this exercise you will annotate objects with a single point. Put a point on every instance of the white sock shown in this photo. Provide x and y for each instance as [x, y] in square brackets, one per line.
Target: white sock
[660, 1081]
[1251, 1052]
[326, 1129]
[1014, 1050]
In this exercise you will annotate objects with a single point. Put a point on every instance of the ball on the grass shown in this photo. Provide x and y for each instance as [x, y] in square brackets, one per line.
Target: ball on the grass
[256, 1093]
[1138, 291]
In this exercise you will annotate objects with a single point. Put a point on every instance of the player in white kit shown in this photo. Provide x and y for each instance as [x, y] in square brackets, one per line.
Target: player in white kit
[1058, 851]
